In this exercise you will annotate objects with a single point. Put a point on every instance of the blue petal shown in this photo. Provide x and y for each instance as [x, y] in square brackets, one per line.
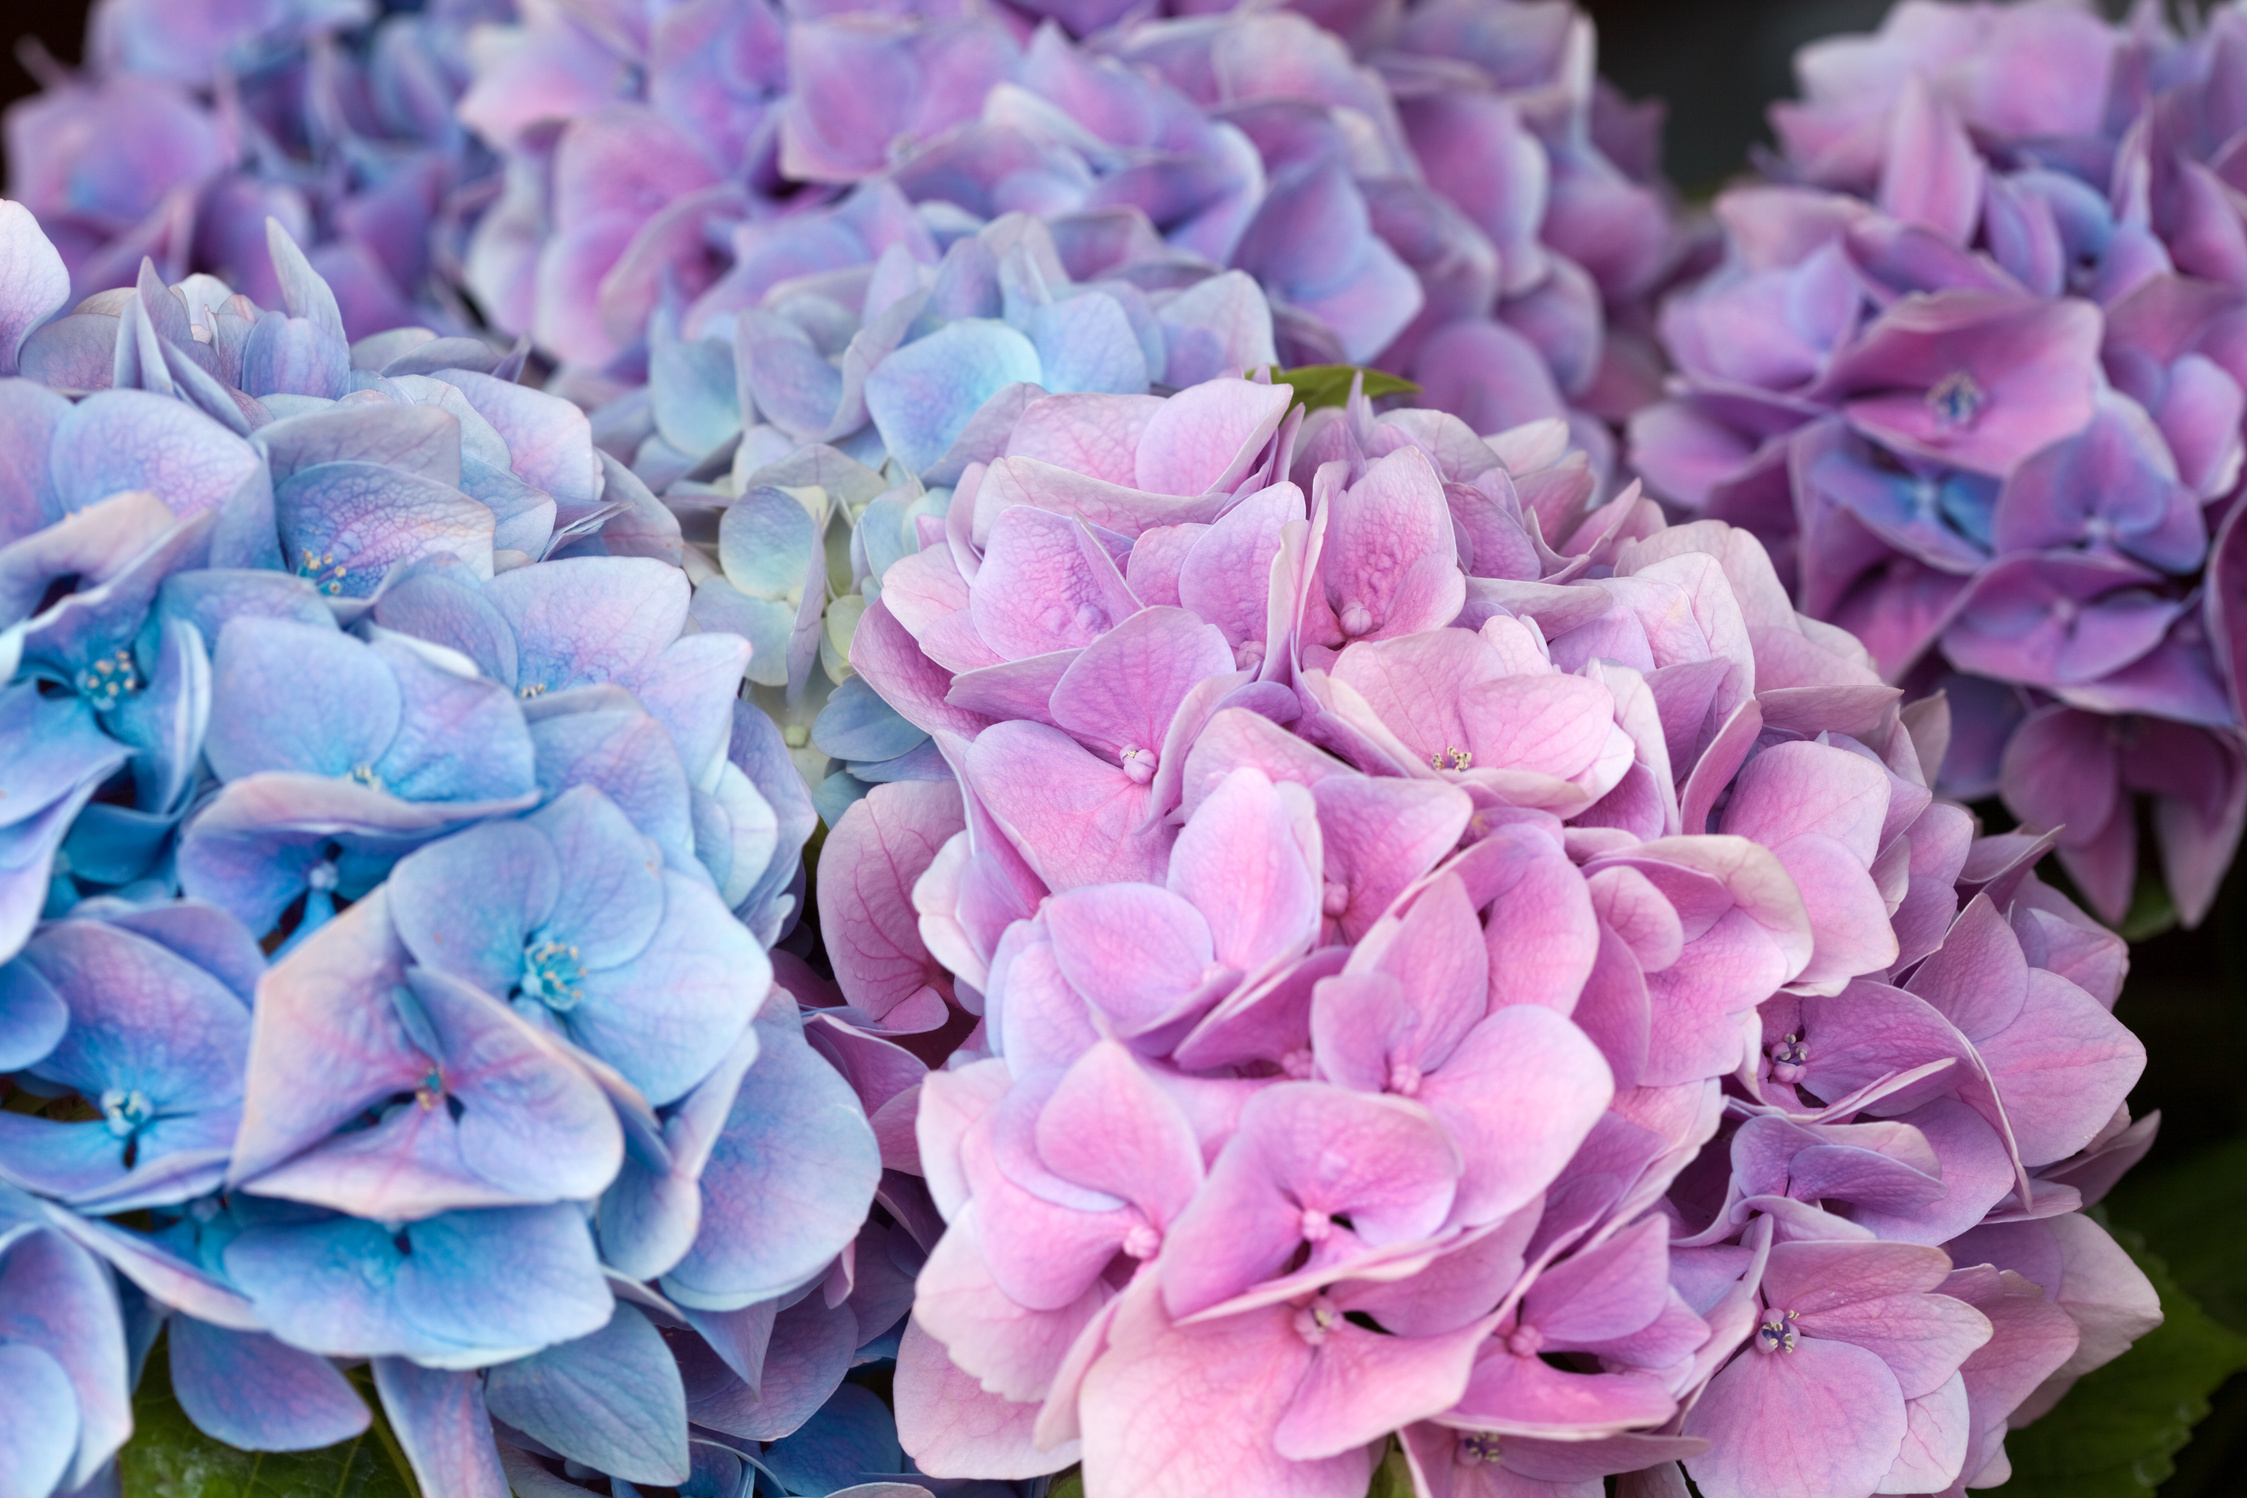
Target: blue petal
[458, 739]
[648, 1220]
[691, 387]
[421, 440]
[58, 1298]
[857, 724]
[445, 605]
[38, 1418]
[141, 1019]
[441, 1423]
[853, 1439]
[29, 417]
[765, 540]
[788, 1183]
[837, 794]
[32, 1016]
[922, 396]
[467, 906]
[766, 623]
[250, 1391]
[612, 1401]
[293, 356]
[1086, 343]
[288, 696]
[606, 741]
[477, 1286]
[346, 524]
[809, 1353]
[303, 293]
[588, 620]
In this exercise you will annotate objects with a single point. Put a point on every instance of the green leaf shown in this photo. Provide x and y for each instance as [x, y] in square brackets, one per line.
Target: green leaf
[1393, 1478]
[2116, 1433]
[169, 1458]
[1069, 1484]
[1319, 385]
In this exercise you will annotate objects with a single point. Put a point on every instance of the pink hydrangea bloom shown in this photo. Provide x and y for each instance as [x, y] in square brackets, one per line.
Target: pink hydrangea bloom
[1453, 959]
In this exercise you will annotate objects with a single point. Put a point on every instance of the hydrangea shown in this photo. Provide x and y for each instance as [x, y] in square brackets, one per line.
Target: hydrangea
[390, 871]
[190, 126]
[1447, 188]
[1524, 999]
[1969, 367]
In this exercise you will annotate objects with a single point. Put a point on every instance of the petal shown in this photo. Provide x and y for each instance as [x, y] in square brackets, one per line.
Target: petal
[612, 1400]
[250, 1391]
[1826, 1417]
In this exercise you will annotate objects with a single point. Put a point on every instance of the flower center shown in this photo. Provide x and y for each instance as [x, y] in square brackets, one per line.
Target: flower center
[1317, 1319]
[1139, 763]
[1777, 1334]
[1525, 1341]
[110, 680]
[1404, 1079]
[1334, 898]
[531, 689]
[1788, 1058]
[1956, 400]
[1452, 759]
[431, 1092]
[1356, 619]
[1317, 1226]
[322, 570]
[1299, 1064]
[126, 1111]
[1142, 1242]
[553, 975]
[364, 775]
[1477, 1447]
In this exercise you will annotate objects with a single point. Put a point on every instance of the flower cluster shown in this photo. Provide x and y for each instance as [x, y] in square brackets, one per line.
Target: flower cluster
[190, 126]
[770, 280]
[1447, 188]
[1972, 368]
[388, 863]
[1522, 1000]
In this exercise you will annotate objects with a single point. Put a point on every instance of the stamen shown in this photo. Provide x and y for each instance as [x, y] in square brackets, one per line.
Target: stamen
[1139, 763]
[1315, 1321]
[1477, 1447]
[553, 975]
[110, 680]
[1777, 1333]
[1788, 1058]
[126, 1111]
[324, 572]
[431, 1092]
[1956, 400]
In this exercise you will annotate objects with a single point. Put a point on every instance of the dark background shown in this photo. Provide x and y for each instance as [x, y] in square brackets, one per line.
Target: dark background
[1717, 63]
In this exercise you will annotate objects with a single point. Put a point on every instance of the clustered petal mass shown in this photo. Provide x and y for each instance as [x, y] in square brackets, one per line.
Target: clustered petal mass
[1971, 368]
[1336, 931]
[744, 231]
[1524, 1001]
[391, 863]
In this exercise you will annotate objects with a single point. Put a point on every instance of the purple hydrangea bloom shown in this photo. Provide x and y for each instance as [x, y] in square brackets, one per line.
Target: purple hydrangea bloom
[329, 115]
[1968, 369]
